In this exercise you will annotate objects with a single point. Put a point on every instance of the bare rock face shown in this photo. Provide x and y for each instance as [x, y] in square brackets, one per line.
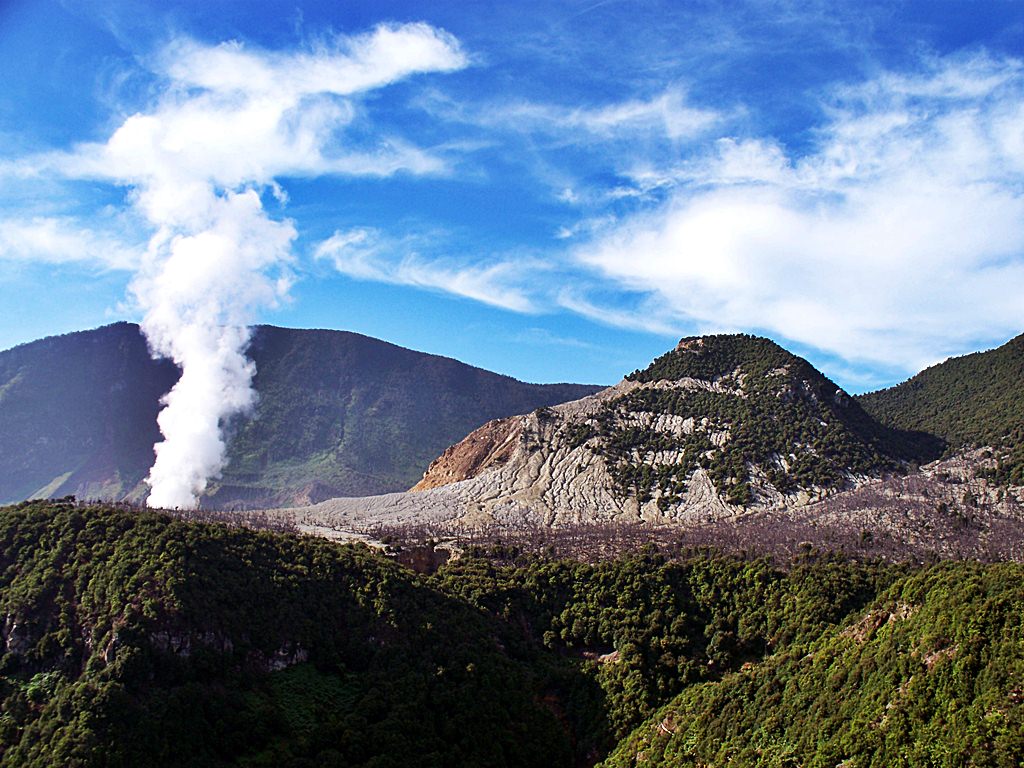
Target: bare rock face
[567, 464]
[549, 473]
[948, 508]
[530, 469]
[489, 446]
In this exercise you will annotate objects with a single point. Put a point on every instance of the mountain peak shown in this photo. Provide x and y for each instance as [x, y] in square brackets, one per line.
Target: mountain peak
[718, 422]
[709, 358]
[338, 414]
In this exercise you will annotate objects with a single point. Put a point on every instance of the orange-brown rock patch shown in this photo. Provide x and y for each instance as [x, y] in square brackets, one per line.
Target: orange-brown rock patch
[490, 445]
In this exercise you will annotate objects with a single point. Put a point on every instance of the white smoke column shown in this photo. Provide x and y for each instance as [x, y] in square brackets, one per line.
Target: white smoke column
[229, 122]
[201, 291]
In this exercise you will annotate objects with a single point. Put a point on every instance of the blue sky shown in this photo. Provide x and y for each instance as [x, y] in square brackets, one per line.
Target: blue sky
[553, 190]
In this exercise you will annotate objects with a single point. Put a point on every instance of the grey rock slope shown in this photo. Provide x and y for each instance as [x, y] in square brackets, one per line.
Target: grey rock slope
[948, 508]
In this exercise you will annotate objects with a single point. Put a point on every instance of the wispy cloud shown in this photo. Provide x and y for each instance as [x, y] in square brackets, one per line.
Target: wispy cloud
[63, 240]
[877, 243]
[544, 337]
[881, 244]
[355, 64]
[668, 115]
[230, 115]
[638, 316]
[367, 254]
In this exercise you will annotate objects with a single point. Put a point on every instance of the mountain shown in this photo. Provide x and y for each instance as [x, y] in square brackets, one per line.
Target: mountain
[970, 401]
[717, 424]
[338, 414]
[734, 415]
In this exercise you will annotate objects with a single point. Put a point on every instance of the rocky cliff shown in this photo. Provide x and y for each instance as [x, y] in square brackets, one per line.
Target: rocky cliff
[719, 422]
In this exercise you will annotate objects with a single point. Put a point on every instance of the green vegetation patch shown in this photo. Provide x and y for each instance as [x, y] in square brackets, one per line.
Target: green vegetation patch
[974, 400]
[714, 357]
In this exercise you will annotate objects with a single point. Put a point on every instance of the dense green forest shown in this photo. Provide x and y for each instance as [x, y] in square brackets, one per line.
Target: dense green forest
[131, 638]
[137, 640]
[974, 400]
[931, 675]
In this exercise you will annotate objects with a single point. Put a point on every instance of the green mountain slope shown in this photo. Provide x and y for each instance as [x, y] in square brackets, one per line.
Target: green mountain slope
[931, 674]
[974, 400]
[78, 414]
[338, 414]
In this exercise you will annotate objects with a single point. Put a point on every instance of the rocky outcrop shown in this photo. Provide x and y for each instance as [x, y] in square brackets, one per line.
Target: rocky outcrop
[536, 469]
[15, 636]
[183, 644]
[489, 446]
[631, 452]
[554, 476]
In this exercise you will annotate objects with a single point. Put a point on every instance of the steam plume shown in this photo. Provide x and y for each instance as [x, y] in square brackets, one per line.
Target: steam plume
[201, 290]
[230, 120]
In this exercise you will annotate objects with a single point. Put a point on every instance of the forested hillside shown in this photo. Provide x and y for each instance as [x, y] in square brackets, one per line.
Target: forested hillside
[130, 638]
[974, 400]
[932, 673]
[135, 640]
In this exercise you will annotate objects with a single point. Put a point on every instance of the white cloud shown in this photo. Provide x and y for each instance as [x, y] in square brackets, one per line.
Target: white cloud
[544, 337]
[646, 317]
[231, 116]
[366, 254]
[361, 63]
[666, 115]
[62, 240]
[895, 239]
[898, 239]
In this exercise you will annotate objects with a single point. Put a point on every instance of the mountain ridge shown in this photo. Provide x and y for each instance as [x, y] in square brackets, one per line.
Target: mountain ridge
[970, 401]
[342, 414]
